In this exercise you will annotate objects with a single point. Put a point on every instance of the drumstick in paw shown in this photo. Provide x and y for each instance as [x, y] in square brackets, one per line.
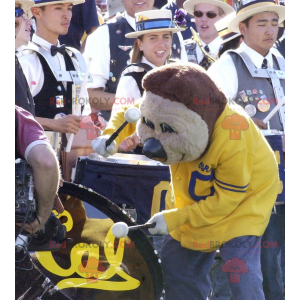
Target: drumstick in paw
[132, 115]
[121, 229]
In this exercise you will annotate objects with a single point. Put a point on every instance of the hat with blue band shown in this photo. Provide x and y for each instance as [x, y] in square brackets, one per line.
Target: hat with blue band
[39, 3]
[153, 21]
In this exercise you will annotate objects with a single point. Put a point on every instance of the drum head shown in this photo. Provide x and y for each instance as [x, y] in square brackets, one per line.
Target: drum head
[96, 265]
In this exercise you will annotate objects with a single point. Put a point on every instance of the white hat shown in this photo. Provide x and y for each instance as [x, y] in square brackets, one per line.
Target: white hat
[189, 5]
[222, 28]
[249, 8]
[113, 7]
[153, 21]
[39, 3]
[25, 4]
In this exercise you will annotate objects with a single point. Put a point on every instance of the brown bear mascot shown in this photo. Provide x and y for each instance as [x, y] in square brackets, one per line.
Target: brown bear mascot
[224, 181]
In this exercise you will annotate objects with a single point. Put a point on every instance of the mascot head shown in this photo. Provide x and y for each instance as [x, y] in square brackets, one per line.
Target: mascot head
[179, 109]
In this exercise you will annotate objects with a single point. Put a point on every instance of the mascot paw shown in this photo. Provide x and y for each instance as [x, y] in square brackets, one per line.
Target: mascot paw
[161, 225]
[100, 147]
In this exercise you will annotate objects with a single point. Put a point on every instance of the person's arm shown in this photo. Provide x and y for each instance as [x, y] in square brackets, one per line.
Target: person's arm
[67, 124]
[97, 48]
[33, 71]
[46, 179]
[100, 99]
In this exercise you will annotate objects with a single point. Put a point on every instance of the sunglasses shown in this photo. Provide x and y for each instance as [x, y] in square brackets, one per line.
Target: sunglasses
[19, 12]
[199, 14]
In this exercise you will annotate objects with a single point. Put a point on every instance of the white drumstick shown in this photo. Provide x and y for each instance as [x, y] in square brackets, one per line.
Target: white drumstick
[78, 107]
[121, 229]
[274, 111]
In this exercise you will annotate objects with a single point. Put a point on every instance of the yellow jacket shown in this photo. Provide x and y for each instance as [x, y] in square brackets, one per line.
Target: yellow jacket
[227, 193]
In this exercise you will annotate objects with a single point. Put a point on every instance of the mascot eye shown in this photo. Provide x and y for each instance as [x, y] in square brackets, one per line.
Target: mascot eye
[148, 123]
[167, 128]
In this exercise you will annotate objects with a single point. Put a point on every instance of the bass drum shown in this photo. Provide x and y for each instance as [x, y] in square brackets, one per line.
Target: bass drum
[95, 264]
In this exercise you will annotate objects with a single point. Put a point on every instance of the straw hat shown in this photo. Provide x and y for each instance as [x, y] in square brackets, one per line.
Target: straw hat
[250, 8]
[50, 2]
[222, 28]
[113, 6]
[25, 4]
[153, 21]
[189, 5]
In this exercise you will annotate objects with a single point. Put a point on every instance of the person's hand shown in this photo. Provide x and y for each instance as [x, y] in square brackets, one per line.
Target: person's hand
[35, 225]
[100, 147]
[67, 124]
[129, 143]
[161, 225]
[259, 123]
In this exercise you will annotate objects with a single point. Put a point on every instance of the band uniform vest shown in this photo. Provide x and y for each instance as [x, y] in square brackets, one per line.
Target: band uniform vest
[46, 105]
[23, 97]
[252, 90]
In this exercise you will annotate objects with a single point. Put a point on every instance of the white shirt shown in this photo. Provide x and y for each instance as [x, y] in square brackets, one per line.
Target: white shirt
[98, 48]
[224, 74]
[33, 69]
[128, 91]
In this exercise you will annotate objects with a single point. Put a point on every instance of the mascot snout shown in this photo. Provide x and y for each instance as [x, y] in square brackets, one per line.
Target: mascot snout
[154, 150]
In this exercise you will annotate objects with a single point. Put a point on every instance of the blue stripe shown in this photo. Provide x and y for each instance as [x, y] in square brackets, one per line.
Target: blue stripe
[154, 24]
[235, 186]
[230, 189]
[47, 1]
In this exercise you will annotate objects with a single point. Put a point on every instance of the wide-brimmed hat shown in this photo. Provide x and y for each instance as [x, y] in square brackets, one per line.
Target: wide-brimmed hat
[25, 4]
[189, 5]
[153, 21]
[249, 8]
[113, 7]
[222, 28]
[50, 2]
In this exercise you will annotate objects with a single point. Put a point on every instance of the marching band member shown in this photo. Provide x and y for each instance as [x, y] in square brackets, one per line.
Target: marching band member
[109, 49]
[236, 74]
[206, 13]
[45, 61]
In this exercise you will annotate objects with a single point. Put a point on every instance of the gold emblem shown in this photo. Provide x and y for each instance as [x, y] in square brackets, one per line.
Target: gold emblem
[263, 105]
[113, 79]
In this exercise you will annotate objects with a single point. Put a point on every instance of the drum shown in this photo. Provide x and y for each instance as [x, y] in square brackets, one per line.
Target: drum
[128, 180]
[275, 139]
[92, 263]
[31, 283]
